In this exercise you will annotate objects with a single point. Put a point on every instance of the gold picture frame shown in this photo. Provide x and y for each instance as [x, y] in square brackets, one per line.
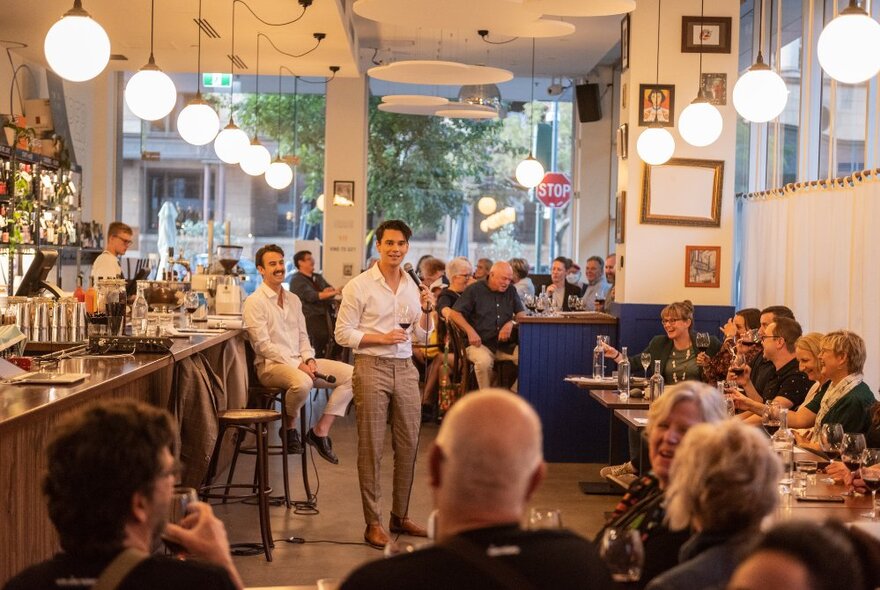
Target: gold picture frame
[664, 202]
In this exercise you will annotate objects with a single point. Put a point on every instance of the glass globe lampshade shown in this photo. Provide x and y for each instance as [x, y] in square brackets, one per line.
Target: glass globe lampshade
[849, 46]
[230, 143]
[655, 146]
[198, 122]
[484, 226]
[279, 175]
[255, 160]
[760, 94]
[77, 47]
[319, 203]
[700, 123]
[529, 172]
[150, 94]
[487, 205]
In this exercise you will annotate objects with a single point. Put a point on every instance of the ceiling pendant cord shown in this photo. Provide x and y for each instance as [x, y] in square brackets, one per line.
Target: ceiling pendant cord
[532, 101]
[152, 25]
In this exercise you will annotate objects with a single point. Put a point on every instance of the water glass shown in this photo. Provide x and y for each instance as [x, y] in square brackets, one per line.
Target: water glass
[622, 551]
[809, 469]
[181, 500]
[545, 518]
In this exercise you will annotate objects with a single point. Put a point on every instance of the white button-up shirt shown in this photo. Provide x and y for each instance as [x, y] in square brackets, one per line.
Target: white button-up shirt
[277, 334]
[368, 307]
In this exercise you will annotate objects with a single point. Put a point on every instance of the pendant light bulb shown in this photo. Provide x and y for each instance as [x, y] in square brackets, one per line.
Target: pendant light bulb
[530, 172]
[256, 158]
[77, 47]
[230, 143]
[760, 94]
[700, 123]
[198, 122]
[279, 175]
[849, 46]
[655, 146]
[150, 94]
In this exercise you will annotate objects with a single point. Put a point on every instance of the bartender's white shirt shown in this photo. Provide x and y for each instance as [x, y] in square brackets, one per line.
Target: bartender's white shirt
[368, 307]
[278, 335]
[106, 266]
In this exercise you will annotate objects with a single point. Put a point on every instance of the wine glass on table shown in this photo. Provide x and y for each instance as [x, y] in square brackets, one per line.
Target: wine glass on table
[871, 477]
[770, 418]
[190, 304]
[830, 439]
[599, 302]
[851, 450]
[530, 303]
[645, 359]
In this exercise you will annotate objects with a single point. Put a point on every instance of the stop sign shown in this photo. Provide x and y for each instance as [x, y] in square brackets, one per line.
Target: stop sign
[554, 190]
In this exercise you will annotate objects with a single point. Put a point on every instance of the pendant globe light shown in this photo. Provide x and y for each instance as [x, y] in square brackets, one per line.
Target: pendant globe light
[655, 144]
[530, 171]
[77, 47]
[760, 94]
[231, 142]
[255, 159]
[849, 46]
[279, 175]
[700, 123]
[198, 122]
[150, 94]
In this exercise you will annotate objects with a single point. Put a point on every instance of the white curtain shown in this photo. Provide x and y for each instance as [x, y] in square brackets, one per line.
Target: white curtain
[814, 250]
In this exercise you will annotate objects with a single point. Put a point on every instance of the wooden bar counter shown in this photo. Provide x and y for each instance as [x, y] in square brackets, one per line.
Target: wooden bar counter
[550, 349]
[28, 415]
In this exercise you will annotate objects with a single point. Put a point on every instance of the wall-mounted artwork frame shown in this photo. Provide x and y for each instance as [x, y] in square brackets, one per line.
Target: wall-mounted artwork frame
[683, 191]
[702, 266]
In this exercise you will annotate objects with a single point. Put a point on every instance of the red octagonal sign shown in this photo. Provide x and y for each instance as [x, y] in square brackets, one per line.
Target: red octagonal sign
[554, 190]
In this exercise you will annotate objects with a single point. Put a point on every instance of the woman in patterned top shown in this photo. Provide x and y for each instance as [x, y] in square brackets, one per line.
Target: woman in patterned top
[642, 508]
[737, 340]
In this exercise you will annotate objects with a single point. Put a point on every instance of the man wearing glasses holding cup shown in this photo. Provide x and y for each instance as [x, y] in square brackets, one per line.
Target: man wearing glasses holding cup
[106, 265]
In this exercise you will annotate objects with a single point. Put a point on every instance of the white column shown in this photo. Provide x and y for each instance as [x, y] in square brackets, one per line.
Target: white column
[345, 160]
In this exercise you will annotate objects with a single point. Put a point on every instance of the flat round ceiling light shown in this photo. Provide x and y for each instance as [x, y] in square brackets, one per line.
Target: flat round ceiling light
[541, 28]
[414, 99]
[431, 72]
[407, 109]
[581, 8]
[449, 14]
[466, 114]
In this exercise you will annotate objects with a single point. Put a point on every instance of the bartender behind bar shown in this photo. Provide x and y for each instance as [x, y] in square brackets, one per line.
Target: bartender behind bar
[106, 265]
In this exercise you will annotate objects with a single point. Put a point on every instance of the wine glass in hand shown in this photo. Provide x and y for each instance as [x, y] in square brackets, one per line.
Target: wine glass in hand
[403, 316]
[871, 476]
[645, 359]
[622, 551]
[770, 418]
[851, 450]
[190, 304]
[181, 500]
[702, 342]
[830, 439]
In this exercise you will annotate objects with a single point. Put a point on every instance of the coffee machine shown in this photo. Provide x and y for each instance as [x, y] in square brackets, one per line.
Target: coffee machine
[228, 291]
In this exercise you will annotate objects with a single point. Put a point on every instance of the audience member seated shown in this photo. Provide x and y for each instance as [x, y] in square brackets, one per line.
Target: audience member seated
[678, 362]
[433, 274]
[844, 399]
[521, 281]
[573, 275]
[643, 507]
[853, 479]
[807, 349]
[484, 466]
[736, 331]
[596, 285]
[788, 386]
[801, 555]
[487, 312]
[723, 483]
[611, 277]
[316, 296]
[560, 289]
[484, 265]
[109, 486]
[762, 369]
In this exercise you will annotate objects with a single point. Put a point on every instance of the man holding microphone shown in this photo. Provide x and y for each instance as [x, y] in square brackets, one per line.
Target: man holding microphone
[370, 323]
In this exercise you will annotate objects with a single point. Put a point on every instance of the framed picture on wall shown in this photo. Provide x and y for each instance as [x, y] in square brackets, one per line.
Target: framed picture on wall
[623, 141]
[705, 34]
[665, 202]
[714, 88]
[343, 193]
[620, 218]
[624, 43]
[656, 104]
[702, 266]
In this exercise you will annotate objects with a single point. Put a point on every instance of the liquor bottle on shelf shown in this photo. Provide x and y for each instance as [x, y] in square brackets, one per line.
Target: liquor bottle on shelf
[91, 296]
[79, 294]
[139, 309]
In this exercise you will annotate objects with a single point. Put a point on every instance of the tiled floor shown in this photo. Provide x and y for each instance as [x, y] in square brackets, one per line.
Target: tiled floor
[334, 538]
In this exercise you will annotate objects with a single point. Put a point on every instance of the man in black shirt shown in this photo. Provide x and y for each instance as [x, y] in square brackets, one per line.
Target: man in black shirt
[484, 466]
[316, 296]
[487, 312]
[761, 368]
[109, 488]
[787, 385]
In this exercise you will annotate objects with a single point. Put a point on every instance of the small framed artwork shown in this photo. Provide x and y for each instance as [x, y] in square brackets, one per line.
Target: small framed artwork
[620, 218]
[623, 141]
[657, 104]
[702, 266]
[343, 193]
[705, 34]
[714, 88]
[624, 43]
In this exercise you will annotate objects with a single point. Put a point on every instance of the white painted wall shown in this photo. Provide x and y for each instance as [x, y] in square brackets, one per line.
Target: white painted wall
[653, 256]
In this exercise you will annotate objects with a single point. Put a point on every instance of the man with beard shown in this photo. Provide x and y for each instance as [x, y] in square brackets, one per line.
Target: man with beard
[285, 357]
[109, 486]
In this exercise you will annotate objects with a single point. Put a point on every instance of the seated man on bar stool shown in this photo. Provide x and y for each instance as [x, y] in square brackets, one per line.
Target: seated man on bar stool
[487, 312]
[109, 487]
[285, 357]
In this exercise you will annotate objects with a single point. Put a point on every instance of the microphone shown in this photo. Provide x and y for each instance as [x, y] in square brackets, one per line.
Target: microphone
[327, 378]
[408, 268]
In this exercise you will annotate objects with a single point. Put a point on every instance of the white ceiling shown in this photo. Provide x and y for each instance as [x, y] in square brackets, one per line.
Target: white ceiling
[127, 24]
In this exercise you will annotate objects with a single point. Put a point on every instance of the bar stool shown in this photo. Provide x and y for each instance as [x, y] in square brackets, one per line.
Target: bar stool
[246, 421]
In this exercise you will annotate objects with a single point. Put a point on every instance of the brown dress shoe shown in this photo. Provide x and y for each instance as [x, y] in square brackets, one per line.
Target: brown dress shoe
[406, 526]
[376, 536]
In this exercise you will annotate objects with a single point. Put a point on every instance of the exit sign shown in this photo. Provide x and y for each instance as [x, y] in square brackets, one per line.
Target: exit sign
[214, 80]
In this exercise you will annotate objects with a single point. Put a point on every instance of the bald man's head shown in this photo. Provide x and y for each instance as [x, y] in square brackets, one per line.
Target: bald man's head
[488, 455]
[500, 276]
